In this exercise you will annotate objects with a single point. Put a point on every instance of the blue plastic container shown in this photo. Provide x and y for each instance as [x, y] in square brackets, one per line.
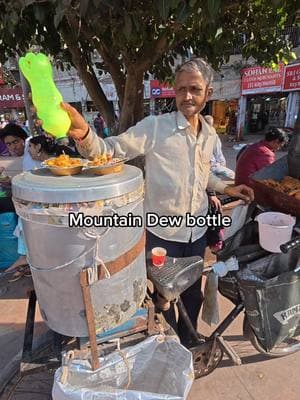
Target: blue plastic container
[8, 242]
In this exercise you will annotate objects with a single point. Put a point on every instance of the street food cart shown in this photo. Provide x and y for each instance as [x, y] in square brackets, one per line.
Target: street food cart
[90, 282]
[57, 253]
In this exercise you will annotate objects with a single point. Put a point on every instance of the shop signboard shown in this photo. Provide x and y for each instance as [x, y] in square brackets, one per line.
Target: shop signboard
[262, 80]
[160, 90]
[11, 98]
[292, 77]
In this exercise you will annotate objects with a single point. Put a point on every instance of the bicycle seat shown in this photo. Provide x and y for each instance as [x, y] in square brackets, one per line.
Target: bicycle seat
[177, 275]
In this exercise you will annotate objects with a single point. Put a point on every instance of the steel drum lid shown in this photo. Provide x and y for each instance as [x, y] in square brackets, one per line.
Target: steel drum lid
[42, 187]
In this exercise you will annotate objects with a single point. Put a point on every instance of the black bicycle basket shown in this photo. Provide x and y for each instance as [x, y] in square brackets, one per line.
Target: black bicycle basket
[270, 290]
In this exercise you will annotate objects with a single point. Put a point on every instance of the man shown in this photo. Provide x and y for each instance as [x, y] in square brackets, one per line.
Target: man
[257, 156]
[178, 147]
[14, 137]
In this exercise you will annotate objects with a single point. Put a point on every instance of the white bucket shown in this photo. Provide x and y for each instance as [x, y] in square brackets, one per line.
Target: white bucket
[274, 229]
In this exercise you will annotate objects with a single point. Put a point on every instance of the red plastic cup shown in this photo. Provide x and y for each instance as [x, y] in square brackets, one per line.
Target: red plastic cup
[158, 256]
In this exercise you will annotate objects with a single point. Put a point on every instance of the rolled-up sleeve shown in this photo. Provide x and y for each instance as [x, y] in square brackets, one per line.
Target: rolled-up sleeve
[215, 183]
[137, 140]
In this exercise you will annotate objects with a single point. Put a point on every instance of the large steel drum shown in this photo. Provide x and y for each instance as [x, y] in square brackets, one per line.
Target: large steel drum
[57, 252]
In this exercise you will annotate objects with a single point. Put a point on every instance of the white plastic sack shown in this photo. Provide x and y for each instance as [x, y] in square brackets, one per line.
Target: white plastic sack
[238, 218]
[159, 370]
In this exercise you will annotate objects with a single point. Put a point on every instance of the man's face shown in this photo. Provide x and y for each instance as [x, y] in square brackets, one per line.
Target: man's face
[192, 92]
[276, 144]
[15, 145]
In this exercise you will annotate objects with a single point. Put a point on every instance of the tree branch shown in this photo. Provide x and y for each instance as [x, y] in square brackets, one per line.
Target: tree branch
[87, 74]
[113, 64]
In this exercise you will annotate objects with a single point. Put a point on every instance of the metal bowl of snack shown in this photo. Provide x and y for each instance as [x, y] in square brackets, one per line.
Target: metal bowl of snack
[105, 166]
[64, 165]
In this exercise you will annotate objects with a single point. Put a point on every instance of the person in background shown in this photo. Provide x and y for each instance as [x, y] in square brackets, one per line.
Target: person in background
[3, 149]
[39, 149]
[13, 137]
[218, 162]
[99, 125]
[3, 123]
[42, 147]
[258, 155]
[178, 147]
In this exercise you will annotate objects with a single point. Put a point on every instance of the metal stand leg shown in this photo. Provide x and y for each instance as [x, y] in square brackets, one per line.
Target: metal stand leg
[35, 360]
[90, 318]
[29, 327]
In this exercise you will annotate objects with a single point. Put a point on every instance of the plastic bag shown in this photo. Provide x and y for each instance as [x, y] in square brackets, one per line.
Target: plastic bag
[271, 294]
[160, 368]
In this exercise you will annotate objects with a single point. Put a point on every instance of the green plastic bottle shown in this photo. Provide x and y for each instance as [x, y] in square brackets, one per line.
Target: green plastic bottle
[46, 98]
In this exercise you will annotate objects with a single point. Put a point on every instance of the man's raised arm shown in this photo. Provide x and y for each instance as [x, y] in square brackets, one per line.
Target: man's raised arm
[137, 140]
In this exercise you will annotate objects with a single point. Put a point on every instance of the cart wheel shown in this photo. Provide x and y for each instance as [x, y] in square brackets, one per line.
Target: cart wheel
[288, 346]
[206, 357]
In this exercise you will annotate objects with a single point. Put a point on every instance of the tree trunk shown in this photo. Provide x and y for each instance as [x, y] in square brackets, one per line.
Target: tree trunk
[132, 107]
[88, 76]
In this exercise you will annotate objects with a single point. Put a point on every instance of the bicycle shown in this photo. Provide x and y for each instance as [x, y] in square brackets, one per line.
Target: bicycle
[179, 274]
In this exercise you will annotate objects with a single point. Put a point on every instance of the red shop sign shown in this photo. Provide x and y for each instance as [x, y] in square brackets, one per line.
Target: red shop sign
[292, 77]
[11, 98]
[262, 80]
[160, 90]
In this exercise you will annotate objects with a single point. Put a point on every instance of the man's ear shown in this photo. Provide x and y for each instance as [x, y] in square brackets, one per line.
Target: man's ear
[209, 91]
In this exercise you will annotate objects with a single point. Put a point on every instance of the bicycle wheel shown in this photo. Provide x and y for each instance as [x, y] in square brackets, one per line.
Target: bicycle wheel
[288, 346]
[206, 357]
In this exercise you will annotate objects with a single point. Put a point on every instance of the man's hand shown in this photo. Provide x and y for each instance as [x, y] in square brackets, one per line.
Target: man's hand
[242, 192]
[215, 202]
[79, 128]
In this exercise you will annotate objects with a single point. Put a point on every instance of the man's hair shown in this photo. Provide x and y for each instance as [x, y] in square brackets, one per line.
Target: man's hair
[13, 130]
[274, 134]
[199, 65]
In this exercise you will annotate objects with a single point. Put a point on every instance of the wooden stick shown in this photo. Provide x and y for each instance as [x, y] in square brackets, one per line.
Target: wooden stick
[90, 318]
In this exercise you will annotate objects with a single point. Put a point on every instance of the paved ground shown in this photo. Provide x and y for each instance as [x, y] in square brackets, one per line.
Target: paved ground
[257, 379]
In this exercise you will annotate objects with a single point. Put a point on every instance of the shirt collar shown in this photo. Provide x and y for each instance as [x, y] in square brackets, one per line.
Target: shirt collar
[183, 123]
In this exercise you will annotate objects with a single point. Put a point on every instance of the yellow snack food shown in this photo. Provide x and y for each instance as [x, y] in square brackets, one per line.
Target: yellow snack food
[99, 160]
[288, 185]
[64, 161]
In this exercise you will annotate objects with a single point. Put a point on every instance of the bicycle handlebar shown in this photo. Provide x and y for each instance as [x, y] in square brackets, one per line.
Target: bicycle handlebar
[292, 244]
